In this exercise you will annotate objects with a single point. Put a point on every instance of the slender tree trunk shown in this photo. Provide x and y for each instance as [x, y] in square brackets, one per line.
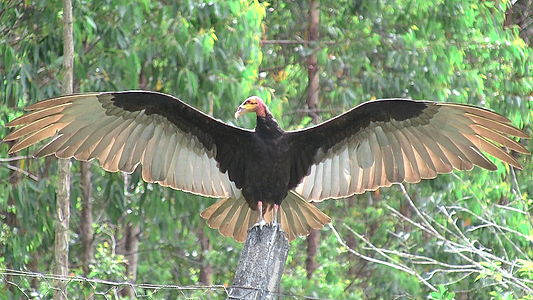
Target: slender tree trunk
[312, 245]
[10, 218]
[313, 91]
[206, 272]
[352, 243]
[14, 180]
[86, 218]
[33, 265]
[313, 88]
[63, 185]
[132, 256]
[131, 243]
[519, 13]
[62, 227]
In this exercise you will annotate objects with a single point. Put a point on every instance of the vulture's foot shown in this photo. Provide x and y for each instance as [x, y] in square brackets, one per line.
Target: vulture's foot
[260, 224]
[260, 221]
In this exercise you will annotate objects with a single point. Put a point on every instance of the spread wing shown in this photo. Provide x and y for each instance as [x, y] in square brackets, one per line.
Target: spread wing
[177, 145]
[390, 141]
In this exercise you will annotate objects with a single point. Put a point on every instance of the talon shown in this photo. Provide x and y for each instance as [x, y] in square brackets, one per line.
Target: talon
[260, 213]
[260, 224]
[275, 214]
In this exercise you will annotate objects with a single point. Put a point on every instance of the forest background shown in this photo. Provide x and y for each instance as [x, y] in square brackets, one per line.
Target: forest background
[465, 235]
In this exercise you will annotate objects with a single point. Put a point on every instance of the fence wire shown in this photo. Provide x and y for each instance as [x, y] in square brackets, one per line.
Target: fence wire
[107, 289]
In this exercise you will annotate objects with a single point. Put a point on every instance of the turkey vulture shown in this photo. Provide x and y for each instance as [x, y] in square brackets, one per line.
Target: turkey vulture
[375, 144]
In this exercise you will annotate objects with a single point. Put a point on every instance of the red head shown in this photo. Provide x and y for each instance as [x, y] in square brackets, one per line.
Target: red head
[252, 104]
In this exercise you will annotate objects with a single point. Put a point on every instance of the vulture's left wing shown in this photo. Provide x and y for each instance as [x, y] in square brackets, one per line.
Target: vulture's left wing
[177, 145]
[390, 141]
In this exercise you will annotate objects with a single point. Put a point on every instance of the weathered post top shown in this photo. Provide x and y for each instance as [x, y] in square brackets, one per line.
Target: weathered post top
[261, 264]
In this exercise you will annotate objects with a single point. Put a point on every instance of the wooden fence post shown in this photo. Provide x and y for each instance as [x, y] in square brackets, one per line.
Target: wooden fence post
[261, 264]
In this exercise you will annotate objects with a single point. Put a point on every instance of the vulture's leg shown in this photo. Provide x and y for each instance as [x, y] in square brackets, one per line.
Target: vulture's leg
[275, 214]
[260, 221]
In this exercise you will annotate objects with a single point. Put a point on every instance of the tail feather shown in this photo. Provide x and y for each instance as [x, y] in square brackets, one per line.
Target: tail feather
[306, 212]
[306, 216]
[233, 217]
[228, 223]
[293, 227]
[247, 221]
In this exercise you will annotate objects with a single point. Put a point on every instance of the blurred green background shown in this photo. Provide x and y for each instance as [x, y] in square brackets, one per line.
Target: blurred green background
[214, 54]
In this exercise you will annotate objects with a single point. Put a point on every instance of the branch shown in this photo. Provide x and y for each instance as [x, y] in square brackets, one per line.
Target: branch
[470, 255]
[14, 158]
[382, 262]
[294, 42]
[30, 175]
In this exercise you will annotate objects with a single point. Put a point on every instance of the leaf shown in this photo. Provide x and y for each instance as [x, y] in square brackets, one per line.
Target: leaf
[91, 22]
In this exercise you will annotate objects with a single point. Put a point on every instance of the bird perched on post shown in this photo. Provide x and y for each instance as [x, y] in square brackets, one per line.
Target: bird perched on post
[267, 174]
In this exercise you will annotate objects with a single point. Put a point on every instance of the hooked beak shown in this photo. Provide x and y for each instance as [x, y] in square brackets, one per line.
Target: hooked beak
[240, 111]
[245, 107]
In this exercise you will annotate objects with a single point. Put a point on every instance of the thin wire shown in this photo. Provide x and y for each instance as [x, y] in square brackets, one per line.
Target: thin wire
[11, 272]
[115, 284]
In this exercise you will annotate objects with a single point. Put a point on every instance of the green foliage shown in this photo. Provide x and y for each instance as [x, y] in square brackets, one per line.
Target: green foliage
[107, 264]
[210, 55]
[442, 294]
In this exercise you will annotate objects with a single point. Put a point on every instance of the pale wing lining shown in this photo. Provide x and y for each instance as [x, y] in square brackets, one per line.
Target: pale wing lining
[121, 140]
[397, 151]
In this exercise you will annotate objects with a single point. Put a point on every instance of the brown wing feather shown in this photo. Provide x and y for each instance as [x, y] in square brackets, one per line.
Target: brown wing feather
[398, 140]
[125, 129]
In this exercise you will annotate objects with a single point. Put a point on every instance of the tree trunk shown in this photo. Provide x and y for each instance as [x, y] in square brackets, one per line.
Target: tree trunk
[10, 218]
[131, 243]
[313, 91]
[86, 218]
[261, 264]
[14, 180]
[519, 13]
[131, 255]
[63, 185]
[62, 228]
[312, 245]
[313, 87]
[33, 266]
[352, 243]
[206, 272]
